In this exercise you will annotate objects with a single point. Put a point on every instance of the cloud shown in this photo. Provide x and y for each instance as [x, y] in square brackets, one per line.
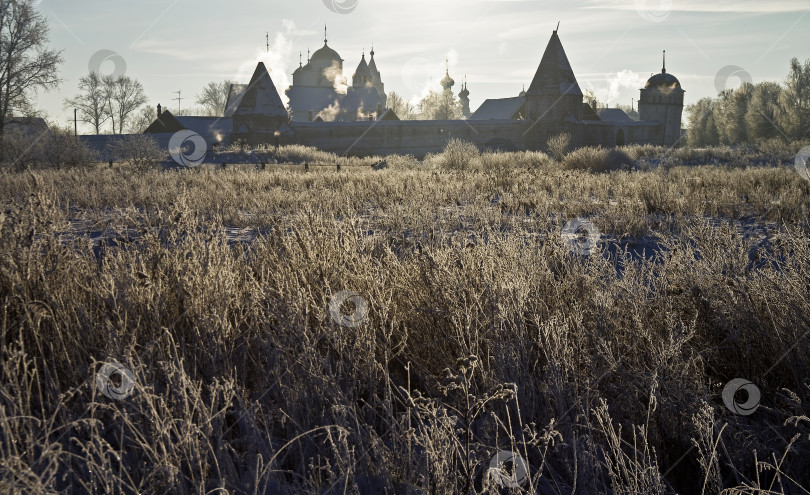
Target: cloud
[720, 6]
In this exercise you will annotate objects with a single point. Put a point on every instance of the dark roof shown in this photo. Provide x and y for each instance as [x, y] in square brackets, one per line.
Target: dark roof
[588, 113]
[663, 79]
[261, 96]
[388, 114]
[25, 125]
[214, 129]
[554, 74]
[499, 108]
[166, 122]
[614, 115]
[235, 94]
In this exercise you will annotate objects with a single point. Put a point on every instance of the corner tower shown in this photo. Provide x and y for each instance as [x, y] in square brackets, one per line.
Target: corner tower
[662, 101]
[260, 112]
[554, 94]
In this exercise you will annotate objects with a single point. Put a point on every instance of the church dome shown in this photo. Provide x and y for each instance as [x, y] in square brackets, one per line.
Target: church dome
[663, 80]
[448, 81]
[326, 54]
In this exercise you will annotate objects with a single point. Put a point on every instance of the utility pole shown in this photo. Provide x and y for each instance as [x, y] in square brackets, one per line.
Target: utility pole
[178, 100]
[268, 41]
[75, 122]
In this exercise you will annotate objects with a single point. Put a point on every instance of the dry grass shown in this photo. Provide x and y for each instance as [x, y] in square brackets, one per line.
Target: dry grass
[483, 333]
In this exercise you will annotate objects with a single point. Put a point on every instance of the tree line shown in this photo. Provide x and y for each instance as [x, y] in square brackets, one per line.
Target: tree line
[436, 105]
[754, 113]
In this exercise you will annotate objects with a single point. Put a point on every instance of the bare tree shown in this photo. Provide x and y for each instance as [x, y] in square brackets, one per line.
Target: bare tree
[440, 105]
[91, 101]
[214, 97]
[401, 107]
[558, 145]
[141, 120]
[794, 101]
[26, 64]
[124, 96]
[702, 129]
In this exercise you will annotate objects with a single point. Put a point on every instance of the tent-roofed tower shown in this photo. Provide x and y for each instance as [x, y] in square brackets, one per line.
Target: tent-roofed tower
[375, 74]
[362, 76]
[261, 111]
[554, 93]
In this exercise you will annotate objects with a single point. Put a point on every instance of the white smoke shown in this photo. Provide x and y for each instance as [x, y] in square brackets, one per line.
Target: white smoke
[330, 113]
[335, 75]
[276, 60]
[617, 84]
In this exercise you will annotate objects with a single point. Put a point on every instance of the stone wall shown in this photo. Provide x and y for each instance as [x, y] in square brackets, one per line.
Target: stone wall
[421, 137]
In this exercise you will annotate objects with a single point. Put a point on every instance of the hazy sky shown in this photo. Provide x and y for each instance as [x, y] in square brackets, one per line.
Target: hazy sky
[613, 45]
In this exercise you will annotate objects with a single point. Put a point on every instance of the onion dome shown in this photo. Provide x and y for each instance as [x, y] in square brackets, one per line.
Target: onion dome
[663, 80]
[448, 81]
[464, 93]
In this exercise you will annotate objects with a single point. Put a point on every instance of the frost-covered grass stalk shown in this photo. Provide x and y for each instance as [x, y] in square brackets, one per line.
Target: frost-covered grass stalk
[483, 332]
